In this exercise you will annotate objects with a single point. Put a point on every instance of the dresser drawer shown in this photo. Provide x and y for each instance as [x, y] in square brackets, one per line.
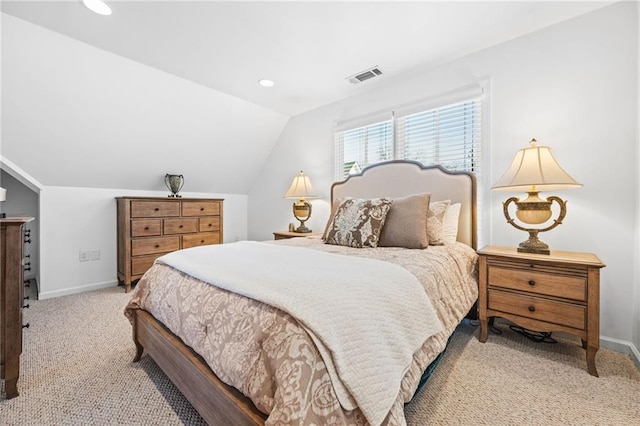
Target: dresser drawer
[155, 208]
[207, 224]
[143, 246]
[145, 228]
[537, 308]
[538, 282]
[200, 239]
[140, 264]
[200, 208]
[180, 226]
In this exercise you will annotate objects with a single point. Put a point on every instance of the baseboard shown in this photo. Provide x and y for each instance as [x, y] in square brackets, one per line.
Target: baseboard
[74, 290]
[622, 346]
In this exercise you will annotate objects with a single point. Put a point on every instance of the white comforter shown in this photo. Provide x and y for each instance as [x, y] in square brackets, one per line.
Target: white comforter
[367, 321]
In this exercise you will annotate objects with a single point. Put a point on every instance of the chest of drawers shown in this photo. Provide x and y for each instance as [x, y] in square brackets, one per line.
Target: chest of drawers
[149, 227]
[556, 292]
[11, 300]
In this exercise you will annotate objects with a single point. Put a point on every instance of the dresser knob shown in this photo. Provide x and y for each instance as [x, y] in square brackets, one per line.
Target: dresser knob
[27, 264]
[157, 209]
[180, 226]
[157, 245]
[201, 241]
[532, 282]
[27, 269]
[26, 306]
[146, 228]
[201, 209]
[26, 298]
[25, 325]
[532, 308]
[27, 256]
[210, 225]
[27, 241]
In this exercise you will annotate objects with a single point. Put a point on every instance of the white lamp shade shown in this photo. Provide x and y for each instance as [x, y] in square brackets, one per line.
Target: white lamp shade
[536, 167]
[301, 188]
[3, 194]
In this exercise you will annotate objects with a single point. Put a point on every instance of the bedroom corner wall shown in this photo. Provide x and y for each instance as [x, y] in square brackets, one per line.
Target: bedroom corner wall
[570, 87]
[74, 219]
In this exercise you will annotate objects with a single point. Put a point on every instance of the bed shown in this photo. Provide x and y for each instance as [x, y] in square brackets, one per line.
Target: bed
[237, 358]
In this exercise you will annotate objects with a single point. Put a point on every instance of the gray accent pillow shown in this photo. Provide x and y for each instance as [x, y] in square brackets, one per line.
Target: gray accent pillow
[435, 222]
[357, 222]
[406, 223]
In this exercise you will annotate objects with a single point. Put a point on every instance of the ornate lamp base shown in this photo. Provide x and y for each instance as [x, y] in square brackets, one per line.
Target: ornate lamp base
[533, 244]
[534, 210]
[302, 212]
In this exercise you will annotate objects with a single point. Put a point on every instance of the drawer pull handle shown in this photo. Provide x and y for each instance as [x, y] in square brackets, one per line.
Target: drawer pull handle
[532, 308]
[26, 306]
[532, 282]
[201, 209]
[180, 226]
[210, 225]
[201, 241]
[25, 325]
[146, 228]
[157, 245]
[157, 209]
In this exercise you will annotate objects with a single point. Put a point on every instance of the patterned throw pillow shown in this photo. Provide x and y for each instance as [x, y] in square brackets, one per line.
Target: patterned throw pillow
[435, 222]
[358, 222]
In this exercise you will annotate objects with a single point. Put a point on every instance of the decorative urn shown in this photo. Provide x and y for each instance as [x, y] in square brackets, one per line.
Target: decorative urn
[174, 183]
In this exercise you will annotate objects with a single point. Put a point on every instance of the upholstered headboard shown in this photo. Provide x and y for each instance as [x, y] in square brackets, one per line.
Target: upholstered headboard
[400, 178]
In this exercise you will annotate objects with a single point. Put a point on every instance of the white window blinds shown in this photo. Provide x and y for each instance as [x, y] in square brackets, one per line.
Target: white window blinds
[362, 146]
[445, 131]
[449, 136]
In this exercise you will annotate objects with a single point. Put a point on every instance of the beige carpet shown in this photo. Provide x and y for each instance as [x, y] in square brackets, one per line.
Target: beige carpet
[77, 370]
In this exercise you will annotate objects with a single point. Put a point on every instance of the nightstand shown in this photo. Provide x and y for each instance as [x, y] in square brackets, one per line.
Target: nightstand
[556, 292]
[285, 235]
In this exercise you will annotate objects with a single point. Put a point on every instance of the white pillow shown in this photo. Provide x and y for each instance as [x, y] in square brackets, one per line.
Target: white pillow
[450, 224]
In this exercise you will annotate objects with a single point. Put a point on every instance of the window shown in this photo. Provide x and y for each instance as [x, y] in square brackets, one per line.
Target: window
[448, 134]
[362, 146]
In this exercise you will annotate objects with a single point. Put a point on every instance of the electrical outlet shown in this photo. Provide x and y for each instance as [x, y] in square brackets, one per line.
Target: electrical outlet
[94, 254]
[84, 255]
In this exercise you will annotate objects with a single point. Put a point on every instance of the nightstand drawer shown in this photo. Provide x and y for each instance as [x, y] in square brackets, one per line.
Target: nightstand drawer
[539, 283]
[540, 309]
[154, 245]
[179, 226]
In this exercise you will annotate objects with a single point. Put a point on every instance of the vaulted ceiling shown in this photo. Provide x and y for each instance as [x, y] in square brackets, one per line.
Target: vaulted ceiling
[161, 86]
[307, 48]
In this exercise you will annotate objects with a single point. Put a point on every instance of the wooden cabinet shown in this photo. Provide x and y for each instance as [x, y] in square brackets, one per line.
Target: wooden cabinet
[556, 292]
[11, 300]
[150, 227]
[284, 235]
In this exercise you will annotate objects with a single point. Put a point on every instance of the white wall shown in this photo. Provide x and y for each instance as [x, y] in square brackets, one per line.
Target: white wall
[74, 219]
[573, 86]
[636, 294]
[76, 115]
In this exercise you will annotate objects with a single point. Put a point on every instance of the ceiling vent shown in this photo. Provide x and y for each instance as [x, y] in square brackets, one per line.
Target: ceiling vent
[365, 75]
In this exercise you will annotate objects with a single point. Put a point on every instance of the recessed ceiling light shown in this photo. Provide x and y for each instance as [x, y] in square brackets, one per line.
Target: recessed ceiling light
[266, 82]
[97, 6]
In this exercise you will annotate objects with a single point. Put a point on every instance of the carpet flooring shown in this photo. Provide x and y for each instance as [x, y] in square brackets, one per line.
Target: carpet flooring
[77, 369]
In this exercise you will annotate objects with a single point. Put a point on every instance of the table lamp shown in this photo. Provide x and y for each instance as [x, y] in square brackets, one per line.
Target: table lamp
[301, 189]
[534, 169]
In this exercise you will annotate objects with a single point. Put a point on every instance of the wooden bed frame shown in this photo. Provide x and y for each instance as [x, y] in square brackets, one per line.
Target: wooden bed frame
[221, 404]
